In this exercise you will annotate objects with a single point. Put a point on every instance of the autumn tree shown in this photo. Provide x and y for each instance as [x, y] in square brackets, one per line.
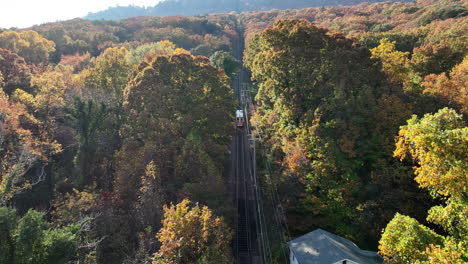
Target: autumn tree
[322, 102]
[394, 63]
[28, 44]
[48, 99]
[41, 114]
[137, 55]
[199, 176]
[51, 88]
[77, 61]
[15, 71]
[167, 100]
[438, 144]
[107, 78]
[150, 196]
[451, 87]
[97, 116]
[24, 149]
[434, 58]
[406, 240]
[193, 234]
[19, 149]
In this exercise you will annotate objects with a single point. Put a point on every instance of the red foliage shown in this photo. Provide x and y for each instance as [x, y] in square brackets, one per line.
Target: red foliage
[109, 199]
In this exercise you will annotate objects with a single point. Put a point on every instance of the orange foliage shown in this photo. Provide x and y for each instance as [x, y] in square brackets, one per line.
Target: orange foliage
[295, 159]
[77, 61]
[453, 87]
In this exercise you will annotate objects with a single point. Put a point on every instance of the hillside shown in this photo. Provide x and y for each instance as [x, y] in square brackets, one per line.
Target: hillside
[200, 7]
[119, 141]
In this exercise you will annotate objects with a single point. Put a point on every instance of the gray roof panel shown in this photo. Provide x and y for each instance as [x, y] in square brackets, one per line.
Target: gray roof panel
[322, 247]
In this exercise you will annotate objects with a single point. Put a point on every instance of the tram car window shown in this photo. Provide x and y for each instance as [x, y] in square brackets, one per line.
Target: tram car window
[240, 118]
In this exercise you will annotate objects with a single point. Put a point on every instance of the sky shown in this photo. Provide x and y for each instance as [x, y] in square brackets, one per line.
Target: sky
[26, 13]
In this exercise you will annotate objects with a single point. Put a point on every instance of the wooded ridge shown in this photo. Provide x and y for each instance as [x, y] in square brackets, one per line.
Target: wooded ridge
[115, 135]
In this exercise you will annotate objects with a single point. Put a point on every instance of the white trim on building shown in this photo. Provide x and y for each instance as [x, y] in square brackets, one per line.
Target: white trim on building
[346, 261]
[292, 258]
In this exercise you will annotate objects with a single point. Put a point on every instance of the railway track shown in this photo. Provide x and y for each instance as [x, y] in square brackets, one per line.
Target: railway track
[245, 228]
[245, 244]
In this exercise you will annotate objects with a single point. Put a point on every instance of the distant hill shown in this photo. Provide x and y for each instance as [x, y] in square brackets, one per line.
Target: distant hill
[200, 7]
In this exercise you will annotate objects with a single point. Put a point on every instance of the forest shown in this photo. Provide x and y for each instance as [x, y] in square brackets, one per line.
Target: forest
[202, 7]
[115, 134]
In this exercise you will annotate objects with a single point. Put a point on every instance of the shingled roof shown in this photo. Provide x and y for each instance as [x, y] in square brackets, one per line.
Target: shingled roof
[320, 246]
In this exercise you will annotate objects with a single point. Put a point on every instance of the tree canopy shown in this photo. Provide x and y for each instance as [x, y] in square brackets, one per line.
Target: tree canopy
[29, 44]
[192, 234]
[104, 123]
[318, 94]
[438, 144]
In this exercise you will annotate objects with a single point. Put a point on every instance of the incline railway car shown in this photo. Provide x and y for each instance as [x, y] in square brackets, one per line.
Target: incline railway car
[240, 118]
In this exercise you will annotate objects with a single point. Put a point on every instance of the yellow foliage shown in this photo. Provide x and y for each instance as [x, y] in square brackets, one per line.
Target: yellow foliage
[394, 63]
[167, 44]
[2, 83]
[149, 177]
[28, 44]
[19, 147]
[439, 144]
[448, 254]
[181, 51]
[192, 235]
[71, 207]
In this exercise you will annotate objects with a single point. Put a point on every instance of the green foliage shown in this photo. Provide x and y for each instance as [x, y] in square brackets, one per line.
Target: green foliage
[137, 55]
[225, 61]
[61, 244]
[200, 177]
[202, 50]
[381, 27]
[89, 118]
[317, 106]
[438, 143]
[30, 240]
[8, 222]
[443, 13]
[453, 218]
[165, 101]
[404, 42]
[406, 240]
[169, 102]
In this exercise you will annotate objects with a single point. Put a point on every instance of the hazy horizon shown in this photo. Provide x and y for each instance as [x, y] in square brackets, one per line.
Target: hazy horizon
[27, 13]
